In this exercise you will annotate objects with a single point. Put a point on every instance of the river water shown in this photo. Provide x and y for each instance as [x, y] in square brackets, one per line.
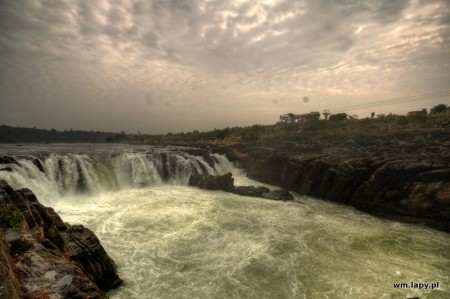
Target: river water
[174, 241]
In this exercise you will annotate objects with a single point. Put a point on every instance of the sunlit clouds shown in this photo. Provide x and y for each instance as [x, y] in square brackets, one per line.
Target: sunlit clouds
[180, 65]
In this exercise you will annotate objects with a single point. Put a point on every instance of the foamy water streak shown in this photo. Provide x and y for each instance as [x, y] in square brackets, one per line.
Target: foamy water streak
[180, 242]
[53, 175]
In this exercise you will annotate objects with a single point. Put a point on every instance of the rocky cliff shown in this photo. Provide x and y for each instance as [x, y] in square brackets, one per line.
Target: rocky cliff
[403, 176]
[47, 257]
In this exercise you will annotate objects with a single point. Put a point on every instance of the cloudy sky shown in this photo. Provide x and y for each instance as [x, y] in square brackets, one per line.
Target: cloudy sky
[159, 66]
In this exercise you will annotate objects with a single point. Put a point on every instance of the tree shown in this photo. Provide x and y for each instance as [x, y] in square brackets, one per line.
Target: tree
[338, 117]
[439, 108]
[221, 134]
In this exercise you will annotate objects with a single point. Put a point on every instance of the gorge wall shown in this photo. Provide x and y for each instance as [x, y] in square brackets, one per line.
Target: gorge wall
[396, 177]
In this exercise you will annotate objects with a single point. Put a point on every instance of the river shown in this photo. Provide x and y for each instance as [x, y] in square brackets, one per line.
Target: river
[174, 241]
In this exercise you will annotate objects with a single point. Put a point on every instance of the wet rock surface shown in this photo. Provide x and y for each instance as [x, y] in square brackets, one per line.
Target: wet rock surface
[226, 183]
[53, 259]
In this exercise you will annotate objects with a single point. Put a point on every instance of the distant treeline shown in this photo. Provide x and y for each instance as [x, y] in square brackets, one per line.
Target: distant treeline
[25, 135]
[340, 127]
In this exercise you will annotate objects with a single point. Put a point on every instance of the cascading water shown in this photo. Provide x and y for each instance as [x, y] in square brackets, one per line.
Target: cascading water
[135, 170]
[55, 175]
[174, 241]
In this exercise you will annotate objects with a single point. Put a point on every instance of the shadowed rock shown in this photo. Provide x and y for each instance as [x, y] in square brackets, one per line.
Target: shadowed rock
[194, 179]
[8, 160]
[226, 183]
[55, 259]
[278, 195]
[393, 176]
[250, 191]
[210, 182]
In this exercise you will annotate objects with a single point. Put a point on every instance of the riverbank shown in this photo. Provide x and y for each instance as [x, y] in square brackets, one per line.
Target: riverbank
[402, 175]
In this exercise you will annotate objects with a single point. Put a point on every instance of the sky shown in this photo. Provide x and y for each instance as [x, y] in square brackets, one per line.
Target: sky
[160, 66]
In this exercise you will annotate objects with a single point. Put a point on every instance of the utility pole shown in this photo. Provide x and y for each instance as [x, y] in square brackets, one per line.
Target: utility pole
[326, 113]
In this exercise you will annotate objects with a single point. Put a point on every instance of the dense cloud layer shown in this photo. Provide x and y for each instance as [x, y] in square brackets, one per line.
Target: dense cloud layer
[179, 65]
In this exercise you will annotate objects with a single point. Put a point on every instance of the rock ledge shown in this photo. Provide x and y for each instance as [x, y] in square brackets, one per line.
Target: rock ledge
[50, 258]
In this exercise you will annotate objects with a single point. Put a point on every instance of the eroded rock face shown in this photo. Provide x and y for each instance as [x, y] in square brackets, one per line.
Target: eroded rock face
[54, 259]
[83, 247]
[398, 180]
[412, 190]
[44, 269]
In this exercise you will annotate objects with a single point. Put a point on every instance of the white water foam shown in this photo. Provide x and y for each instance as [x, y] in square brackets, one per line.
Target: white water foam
[173, 241]
[181, 242]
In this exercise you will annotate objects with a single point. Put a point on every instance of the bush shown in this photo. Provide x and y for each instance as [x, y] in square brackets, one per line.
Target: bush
[402, 121]
[418, 118]
[316, 125]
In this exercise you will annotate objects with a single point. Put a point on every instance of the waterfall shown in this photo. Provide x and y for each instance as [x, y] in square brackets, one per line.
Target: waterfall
[135, 170]
[58, 174]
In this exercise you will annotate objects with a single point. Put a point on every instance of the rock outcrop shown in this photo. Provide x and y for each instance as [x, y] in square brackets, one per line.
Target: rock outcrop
[387, 176]
[212, 182]
[51, 258]
[226, 183]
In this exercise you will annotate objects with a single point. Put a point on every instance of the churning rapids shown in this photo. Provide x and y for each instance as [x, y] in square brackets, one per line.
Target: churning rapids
[174, 241]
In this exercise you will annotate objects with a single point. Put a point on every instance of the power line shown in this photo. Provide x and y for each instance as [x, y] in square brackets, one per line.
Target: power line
[422, 97]
[401, 101]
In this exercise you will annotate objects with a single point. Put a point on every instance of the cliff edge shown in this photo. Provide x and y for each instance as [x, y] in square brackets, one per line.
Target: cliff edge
[403, 176]
[43, 257]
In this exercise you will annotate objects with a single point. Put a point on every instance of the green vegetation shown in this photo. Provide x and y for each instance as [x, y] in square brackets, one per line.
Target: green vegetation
[11, 217]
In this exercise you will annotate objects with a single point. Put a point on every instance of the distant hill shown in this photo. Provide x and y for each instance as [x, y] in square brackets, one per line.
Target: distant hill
[25, 135]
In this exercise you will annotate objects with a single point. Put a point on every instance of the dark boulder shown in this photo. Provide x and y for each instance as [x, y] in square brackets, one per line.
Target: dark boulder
[194, 179]
[250, 191]
[221, 182]
[226, 183]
